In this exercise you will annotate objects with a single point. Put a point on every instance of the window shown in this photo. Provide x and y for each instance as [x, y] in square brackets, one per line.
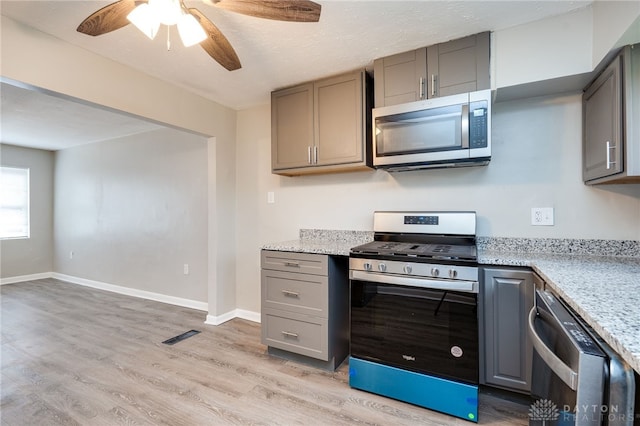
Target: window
[14, 202]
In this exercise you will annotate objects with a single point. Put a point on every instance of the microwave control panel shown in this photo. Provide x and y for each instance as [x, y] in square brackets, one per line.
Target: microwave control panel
[478, 122]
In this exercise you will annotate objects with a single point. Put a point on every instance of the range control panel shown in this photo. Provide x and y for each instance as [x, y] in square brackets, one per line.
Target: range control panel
[421, 220]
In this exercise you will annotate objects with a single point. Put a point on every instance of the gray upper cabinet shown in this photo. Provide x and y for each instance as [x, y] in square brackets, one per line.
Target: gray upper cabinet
[457, 66]
[322, 126]
[603, 124]
[400, 78]
[338, 106]
[508, 298]
[611, 132]
[291, 127]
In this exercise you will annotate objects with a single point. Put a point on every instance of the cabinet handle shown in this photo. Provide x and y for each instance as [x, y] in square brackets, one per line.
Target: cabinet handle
[421, 88]
[292, 264]
[609, 148]
[433, 85]
[289, 334]
[309, 154]
[290, 293]
[315, 154]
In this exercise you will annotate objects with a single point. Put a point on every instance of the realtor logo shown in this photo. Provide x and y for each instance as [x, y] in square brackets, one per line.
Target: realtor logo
[543, 409]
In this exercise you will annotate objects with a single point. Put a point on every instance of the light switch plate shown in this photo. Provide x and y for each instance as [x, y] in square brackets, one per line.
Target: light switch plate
[542, 216]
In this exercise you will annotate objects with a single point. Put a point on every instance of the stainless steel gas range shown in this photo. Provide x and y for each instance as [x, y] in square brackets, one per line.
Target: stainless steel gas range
[414, 316]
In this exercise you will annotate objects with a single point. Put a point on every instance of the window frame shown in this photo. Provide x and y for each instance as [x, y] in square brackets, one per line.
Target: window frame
[26, 206]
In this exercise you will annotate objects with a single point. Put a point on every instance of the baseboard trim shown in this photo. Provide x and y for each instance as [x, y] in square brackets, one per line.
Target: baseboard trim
[23, 278]
[236, 313]
[178, 301]
[158, 297]
[248, 315]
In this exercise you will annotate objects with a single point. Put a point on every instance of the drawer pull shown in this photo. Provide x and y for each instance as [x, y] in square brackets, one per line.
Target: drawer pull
[290, 293]
[289, 334]
[292, 264]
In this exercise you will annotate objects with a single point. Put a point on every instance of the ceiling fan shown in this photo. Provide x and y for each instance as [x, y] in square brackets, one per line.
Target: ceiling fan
[119, 14]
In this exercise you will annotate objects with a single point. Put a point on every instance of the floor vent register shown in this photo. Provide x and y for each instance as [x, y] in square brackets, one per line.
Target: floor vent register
[180, 337]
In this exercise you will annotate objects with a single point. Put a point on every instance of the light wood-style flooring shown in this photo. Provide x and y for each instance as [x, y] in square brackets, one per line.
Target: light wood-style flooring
[73, 355]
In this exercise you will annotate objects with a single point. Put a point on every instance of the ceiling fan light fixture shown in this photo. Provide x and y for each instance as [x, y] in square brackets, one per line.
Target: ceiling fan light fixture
[190, 30]
[168, 12]
[145, 20]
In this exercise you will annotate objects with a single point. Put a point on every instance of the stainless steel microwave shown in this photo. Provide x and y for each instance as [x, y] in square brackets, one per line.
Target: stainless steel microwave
[450, 131]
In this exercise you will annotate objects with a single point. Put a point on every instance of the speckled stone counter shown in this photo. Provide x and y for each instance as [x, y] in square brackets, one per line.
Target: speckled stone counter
[599, 279]
[604, 291]
[323, 241]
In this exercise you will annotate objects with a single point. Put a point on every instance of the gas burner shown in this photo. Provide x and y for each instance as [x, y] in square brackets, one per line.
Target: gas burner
[422, 237]
[416, 251]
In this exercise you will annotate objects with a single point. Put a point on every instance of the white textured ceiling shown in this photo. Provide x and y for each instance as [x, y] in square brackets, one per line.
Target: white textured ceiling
[274, 54]
[39, 120]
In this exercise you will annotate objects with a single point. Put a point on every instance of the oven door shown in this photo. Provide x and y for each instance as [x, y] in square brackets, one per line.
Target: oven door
[423, 325]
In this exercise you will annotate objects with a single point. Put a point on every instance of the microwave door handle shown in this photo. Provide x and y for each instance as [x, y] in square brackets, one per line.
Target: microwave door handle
[562, 370]
[464, 124]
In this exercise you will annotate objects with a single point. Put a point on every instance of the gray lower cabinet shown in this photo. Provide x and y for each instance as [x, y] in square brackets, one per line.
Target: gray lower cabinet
[611, 133]
[456, 66]
[305, 307]
[507, 299]
[322, 126]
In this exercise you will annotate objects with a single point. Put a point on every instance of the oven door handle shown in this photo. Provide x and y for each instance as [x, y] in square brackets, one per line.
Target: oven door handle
[462, 286]
[562, 370]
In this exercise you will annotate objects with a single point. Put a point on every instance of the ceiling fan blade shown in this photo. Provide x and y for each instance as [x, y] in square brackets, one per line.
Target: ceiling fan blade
[107, 19]
[279, 10]
[216, 44]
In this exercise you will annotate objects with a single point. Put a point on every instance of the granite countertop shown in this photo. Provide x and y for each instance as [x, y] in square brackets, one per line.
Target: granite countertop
[322, 241]
[604, 291]
[603, 288]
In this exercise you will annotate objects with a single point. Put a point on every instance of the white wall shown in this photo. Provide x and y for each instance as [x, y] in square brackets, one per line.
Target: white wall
[611, 22]
[542, 50]
[77, 73]
[34, 255]
[133, 211]
[536, 163]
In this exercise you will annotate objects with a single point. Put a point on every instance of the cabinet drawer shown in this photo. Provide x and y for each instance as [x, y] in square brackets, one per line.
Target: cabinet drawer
[295, 262]
[303, 293]
[296, 333]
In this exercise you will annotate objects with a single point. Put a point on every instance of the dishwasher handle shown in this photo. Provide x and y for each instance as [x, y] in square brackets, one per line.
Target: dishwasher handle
[562, 370]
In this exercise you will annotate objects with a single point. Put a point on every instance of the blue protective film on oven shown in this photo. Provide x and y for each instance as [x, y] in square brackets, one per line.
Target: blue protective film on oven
[454, 398]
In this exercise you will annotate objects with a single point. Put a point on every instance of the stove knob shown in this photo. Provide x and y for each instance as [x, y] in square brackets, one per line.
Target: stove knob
[453, 273]
[407, 269]
[382, 267]
[435, 272]
[366, 266]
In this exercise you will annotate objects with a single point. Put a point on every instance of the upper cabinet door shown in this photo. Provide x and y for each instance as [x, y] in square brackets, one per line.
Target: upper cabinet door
[338, 106]
[292, 127]
[400, 78]
[602, 153]
[459, 66]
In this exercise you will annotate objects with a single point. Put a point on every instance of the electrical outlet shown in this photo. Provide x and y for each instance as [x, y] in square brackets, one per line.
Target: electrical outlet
[185, 269]
[542, 216]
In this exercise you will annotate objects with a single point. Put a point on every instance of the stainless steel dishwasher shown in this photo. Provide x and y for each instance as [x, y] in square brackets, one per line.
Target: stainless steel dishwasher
[577, 379]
